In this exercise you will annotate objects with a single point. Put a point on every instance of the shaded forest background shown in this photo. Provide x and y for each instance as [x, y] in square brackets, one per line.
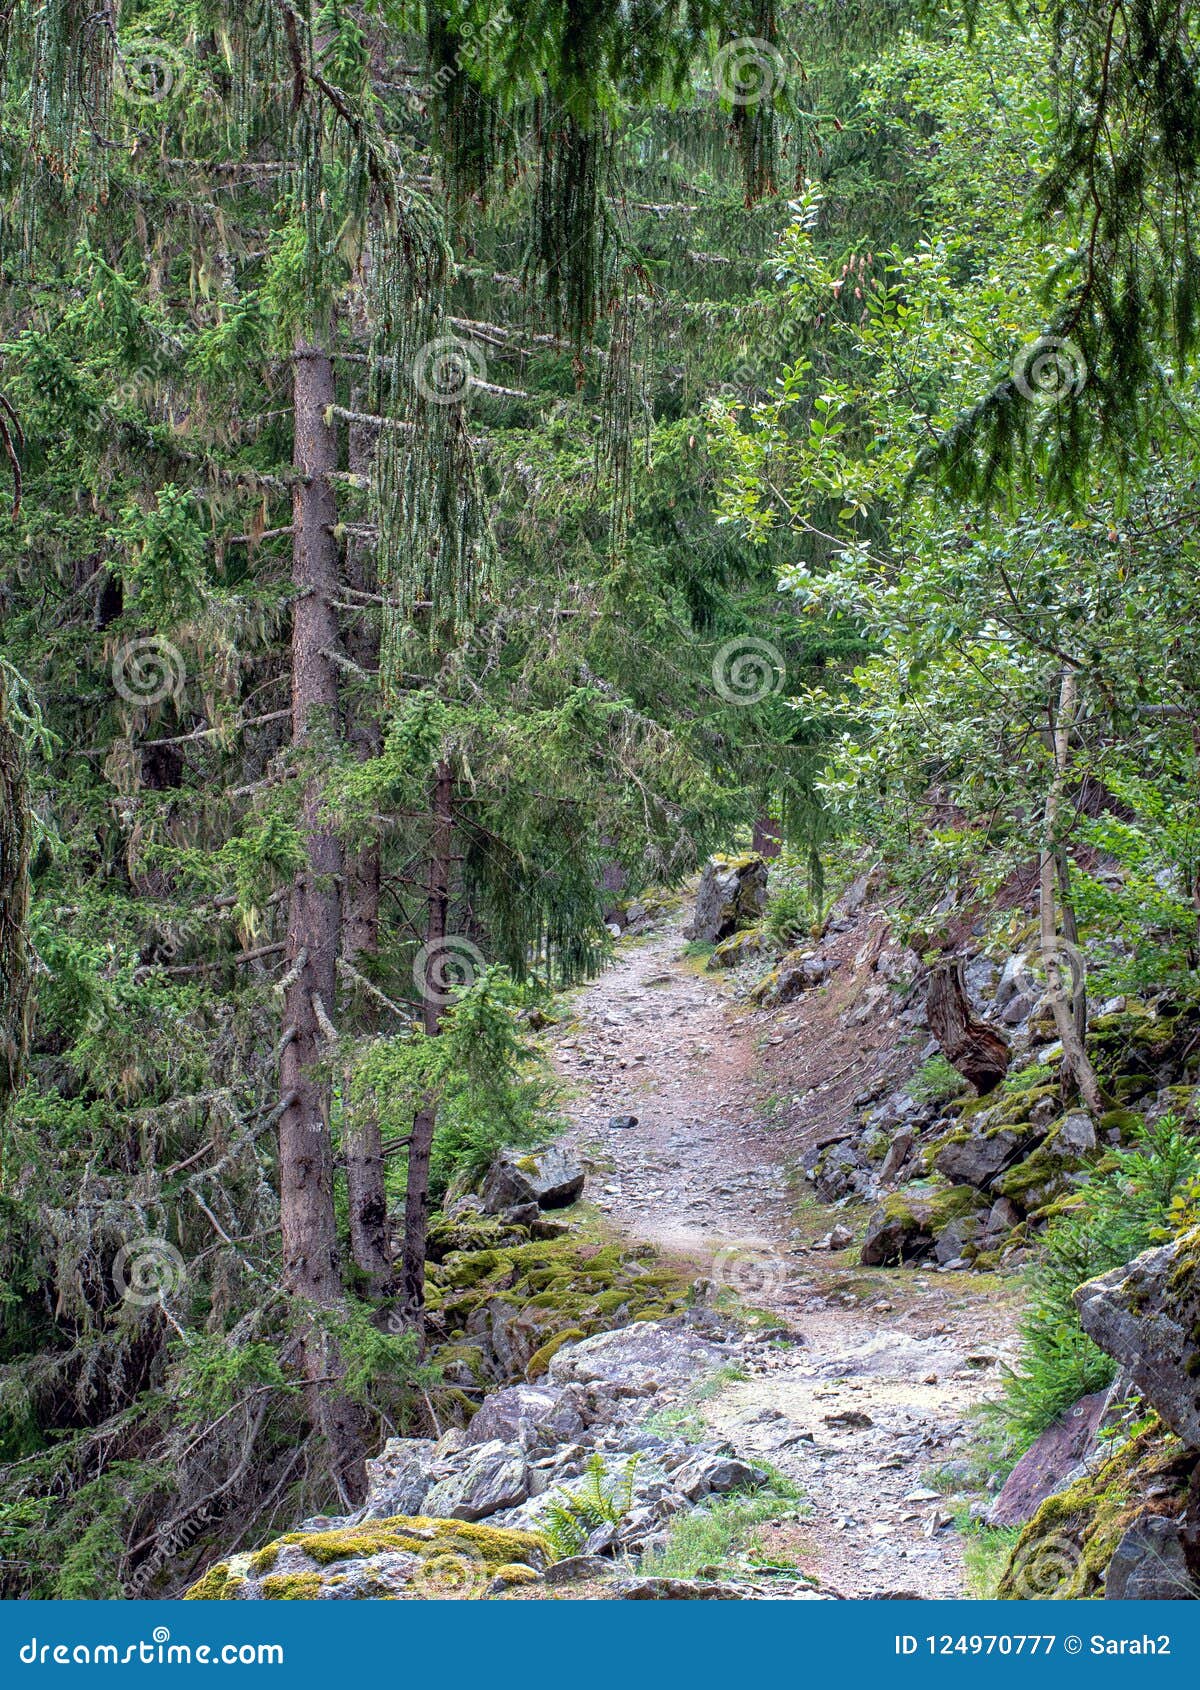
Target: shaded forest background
[465, 465]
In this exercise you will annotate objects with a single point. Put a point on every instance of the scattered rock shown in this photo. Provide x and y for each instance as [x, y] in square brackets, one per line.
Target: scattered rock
[622, 1123]
[573, 1568]
[680, 1590]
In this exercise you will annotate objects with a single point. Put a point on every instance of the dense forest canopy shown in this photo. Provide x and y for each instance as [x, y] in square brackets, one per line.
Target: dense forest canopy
[464, 465]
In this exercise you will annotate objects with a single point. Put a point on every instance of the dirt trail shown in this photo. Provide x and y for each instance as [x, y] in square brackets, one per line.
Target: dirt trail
[871, 1392]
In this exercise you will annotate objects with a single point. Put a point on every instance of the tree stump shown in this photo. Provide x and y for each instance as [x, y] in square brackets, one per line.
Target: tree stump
[968, 1044]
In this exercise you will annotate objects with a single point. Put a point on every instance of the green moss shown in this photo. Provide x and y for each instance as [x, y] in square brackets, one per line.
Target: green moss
[1123, 1121]
[541, 1358]
[264, 1559]
[494, 1545]
[292, 1587]
[219, 1584]
[516, 1572]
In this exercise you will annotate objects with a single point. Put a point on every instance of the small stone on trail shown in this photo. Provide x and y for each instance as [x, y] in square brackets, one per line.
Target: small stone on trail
[851, 1418]
[622, 1121]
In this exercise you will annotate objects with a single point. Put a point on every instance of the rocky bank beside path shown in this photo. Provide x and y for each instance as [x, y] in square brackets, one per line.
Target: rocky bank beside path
[865, 1400]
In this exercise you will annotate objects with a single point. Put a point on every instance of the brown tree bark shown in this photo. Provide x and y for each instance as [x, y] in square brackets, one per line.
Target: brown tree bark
[1068, 1005]
[366, 1189]
[15, 971]
[768, 837]
[416, 1203]
[311, 1264]
[968, 1044]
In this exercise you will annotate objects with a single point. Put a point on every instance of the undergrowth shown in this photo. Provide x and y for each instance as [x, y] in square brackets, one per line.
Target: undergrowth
[1140, 1197]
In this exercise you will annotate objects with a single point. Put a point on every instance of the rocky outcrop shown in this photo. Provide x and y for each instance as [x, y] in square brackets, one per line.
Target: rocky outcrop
[732, 895]
[1147, 1315]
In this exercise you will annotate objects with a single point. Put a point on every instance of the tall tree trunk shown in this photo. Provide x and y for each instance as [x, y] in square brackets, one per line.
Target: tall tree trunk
[1069, 1007]
[310, 1248]
[416, 1203]
[15, 976]
[768, 837]
[365, 1185]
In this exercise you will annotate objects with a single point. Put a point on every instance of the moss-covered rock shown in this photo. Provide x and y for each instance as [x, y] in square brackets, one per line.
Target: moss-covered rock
[397, 1557]
[1066, 1548]
[541, 1358]
[905, 1228]
[219, 1584]
[738, 948]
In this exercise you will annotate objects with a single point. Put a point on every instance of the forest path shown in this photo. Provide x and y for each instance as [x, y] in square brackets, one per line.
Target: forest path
[872, 1392]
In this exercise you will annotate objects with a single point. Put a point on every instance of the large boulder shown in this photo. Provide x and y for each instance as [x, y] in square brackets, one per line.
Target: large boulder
[528, 1416]
[1147, 1315]
[641, 1359]
[548, 1177]
[399, 1478]
[732, 894]
[484, 1479]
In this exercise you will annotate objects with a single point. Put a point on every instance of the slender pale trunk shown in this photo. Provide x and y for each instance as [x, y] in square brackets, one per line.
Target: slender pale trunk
[311, 1264]
[1069, 1007]
[365, 1186]
[416, 1203]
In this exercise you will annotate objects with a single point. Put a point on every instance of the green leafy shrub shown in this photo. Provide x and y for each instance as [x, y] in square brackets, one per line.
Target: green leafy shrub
[1125, 1209]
